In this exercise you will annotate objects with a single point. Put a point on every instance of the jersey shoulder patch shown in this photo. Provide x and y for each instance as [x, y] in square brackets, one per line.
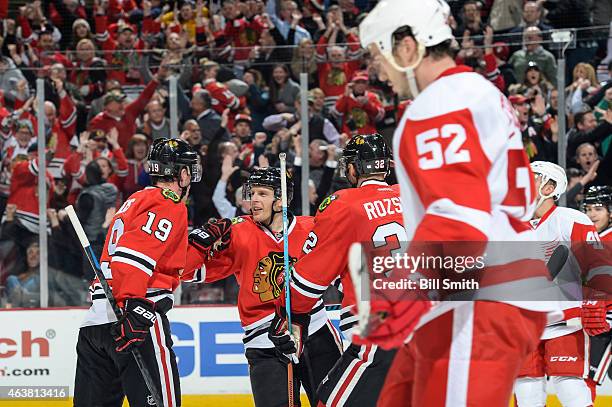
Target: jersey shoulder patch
[238, 220]
[327, 202]
[171, 195]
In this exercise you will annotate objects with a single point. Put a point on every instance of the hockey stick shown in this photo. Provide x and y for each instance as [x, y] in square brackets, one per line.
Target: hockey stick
[358, 271]
[283, 170]
[555, 264]
[557, 260]
[93, 261]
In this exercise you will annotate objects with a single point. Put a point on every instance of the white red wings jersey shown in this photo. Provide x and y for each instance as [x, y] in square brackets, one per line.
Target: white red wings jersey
[462, 170]
[255, 257]
[144, 252]
[371, 213]
[587, 260]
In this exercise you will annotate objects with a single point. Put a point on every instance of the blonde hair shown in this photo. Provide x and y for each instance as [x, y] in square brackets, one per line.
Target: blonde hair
[590, 73]
[298, 64]
[317, 92]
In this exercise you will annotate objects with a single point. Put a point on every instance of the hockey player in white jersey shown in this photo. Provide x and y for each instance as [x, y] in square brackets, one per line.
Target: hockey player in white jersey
[563, 353]
[463, 176]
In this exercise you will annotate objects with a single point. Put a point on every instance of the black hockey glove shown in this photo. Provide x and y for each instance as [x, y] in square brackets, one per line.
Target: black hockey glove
[211, 237]
[132, 328]
[289, 345]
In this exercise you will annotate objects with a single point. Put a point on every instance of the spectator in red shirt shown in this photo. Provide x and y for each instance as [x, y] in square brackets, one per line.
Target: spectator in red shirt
[358, 108]
[123, 116]
[334, 68]
[46, 48]
[136, 158]
[121, 53]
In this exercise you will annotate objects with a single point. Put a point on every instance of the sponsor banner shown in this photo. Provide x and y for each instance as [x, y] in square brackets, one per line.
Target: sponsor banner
[37, 347]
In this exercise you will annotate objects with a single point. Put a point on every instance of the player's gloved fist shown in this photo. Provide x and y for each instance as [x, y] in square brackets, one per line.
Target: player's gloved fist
[290, 345]
[593, 316]
[391, 323]
[221, 228]
[132, 328]
[212, 236]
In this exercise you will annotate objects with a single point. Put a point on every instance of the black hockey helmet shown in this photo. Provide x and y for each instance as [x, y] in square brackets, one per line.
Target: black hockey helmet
[167, 157]
[599, 195]
[268, 177]
[368, 153]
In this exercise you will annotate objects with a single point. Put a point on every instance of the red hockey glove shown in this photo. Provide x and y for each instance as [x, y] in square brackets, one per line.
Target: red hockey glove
[289, 345]
[593, 315]
[212, 237]
[132, 329]
[392, 322]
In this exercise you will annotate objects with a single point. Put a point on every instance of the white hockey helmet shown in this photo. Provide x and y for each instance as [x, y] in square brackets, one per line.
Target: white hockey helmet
[549, 171]
[427, 19]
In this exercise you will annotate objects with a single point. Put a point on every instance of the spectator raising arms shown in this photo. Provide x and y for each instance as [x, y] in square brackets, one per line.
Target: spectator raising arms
[121, 115]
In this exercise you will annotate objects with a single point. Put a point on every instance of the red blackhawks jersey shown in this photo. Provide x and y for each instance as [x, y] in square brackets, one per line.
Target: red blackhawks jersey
[364, 117]
[464, 176]
[255, 257]
[221, 97]
[587, 261]
[369, 213]
[144, 252]
[606, 235]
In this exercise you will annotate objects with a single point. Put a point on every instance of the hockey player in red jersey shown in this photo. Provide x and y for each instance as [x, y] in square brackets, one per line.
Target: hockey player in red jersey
[562, 355]
[463, 176]
[597, 205]
[369, 212]
[255, 257]
[143, 257]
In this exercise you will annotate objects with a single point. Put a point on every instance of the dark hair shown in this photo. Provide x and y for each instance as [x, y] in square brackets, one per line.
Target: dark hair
[441, 50]
[610, 66]
[474, 2]
[204, 97]
[572, 173]
[579, 117]
[436, 52]
[284, 68]
[93, 174]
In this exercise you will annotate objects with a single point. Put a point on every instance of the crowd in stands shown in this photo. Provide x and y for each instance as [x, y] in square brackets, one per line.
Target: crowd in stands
[106, 67]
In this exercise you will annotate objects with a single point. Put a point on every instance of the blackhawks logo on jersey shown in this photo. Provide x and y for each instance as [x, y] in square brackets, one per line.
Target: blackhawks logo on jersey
[170, 194]
[268, 278]
[237, 220]
[336, 77]
[327, 201]
[360, 117]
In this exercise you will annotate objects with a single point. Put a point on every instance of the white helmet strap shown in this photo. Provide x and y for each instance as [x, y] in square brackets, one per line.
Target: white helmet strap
[409, 70]
[543, 181]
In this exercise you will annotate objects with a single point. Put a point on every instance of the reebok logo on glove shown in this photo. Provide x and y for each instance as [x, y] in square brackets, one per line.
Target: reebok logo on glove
[145, 314]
